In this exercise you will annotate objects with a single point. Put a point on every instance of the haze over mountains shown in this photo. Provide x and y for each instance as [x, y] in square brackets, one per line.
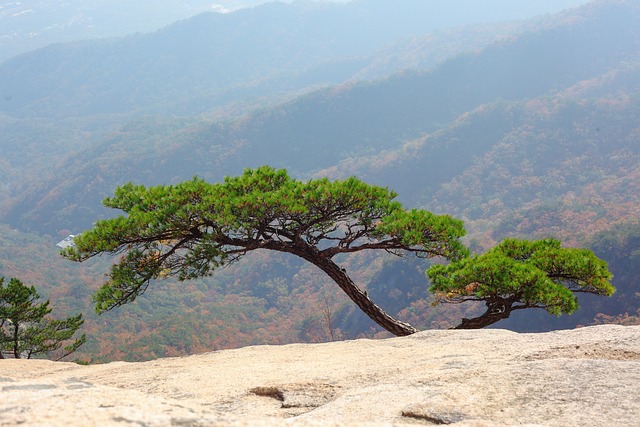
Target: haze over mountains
[206, 61]
[324, 129]
[520, 128]
[29, 25]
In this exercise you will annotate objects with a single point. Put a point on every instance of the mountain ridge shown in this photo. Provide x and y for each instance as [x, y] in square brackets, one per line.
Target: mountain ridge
[322, 128]
[207, 54]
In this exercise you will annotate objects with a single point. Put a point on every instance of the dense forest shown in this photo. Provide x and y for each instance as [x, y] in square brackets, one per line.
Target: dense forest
[520, 128]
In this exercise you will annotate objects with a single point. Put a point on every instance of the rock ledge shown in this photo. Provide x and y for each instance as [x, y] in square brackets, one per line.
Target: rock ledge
[582, 377]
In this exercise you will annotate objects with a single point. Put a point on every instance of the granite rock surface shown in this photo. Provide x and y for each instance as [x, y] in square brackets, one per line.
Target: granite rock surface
[583, 377]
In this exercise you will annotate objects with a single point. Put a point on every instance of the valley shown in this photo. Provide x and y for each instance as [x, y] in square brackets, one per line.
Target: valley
[525, 128]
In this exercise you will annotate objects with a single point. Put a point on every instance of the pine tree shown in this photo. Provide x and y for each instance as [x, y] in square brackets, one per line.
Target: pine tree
[521, 274]
[25, 328]
[190, 229]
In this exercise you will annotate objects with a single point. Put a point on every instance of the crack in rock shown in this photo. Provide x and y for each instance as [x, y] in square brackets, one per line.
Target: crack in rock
[272, 392]
[298, 395]
[433, 418]
[28, 387]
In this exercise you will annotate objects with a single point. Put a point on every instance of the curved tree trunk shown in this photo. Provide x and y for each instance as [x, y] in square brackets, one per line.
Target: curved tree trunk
[362, 300]
[479, 322]
[494, 313]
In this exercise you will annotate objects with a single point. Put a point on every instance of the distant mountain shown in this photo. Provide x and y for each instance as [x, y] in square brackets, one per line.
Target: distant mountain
[34, 24]
[30, 25]
[325, 129]
[207, 61]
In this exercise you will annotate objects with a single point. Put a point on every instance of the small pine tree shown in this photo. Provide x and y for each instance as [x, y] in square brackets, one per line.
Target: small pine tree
[25, 328]
[519, 274]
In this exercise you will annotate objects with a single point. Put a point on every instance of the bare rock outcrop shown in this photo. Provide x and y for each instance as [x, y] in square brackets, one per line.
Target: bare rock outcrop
[582, 377]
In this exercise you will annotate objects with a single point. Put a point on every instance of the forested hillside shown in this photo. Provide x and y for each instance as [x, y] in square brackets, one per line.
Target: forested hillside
[527, 129]
[212, 59]
[329, 127]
